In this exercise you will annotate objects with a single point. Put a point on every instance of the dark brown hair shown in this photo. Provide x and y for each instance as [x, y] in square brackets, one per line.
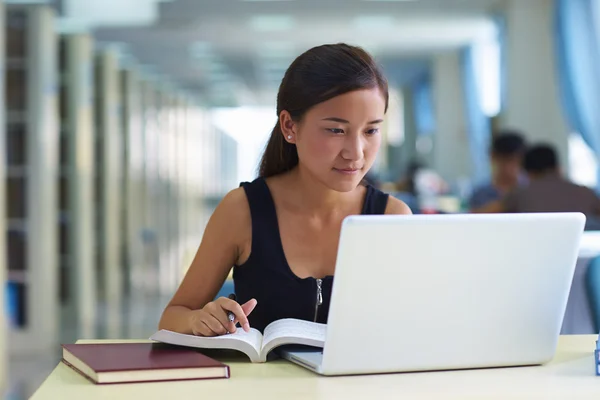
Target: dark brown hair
[317, 75]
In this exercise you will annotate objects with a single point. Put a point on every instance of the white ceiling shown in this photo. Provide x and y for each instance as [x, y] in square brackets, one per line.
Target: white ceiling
[235, 50]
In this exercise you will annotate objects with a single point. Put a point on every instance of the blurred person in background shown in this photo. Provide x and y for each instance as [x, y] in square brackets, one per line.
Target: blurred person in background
[408, 183]
[506, 156]
[548, 190]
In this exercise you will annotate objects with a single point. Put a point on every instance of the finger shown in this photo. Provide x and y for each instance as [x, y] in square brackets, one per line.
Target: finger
[236, 309]
[209, 332]
[217, 311]
[204, 330]
[248, 306]
[214, 324]
[199, 328]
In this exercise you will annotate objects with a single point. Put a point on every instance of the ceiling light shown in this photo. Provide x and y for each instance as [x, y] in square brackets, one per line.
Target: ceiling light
[271, 23]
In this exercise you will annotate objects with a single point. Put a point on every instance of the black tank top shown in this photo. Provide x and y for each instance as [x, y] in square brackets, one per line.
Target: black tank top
[266, 276]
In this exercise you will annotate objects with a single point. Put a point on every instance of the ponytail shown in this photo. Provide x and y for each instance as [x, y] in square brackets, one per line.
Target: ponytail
[280, 156]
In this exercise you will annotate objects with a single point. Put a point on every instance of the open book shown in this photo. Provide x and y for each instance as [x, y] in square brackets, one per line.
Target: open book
[254, 344]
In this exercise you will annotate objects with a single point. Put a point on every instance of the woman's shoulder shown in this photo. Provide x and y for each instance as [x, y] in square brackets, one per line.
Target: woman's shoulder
[234, 207]
[397, 206]
[235, 197]
[248, 198]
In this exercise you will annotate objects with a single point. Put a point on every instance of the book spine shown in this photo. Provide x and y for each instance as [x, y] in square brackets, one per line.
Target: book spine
[68, 364]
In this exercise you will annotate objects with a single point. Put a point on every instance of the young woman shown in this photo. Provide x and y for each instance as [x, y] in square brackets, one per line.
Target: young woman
[280, 232]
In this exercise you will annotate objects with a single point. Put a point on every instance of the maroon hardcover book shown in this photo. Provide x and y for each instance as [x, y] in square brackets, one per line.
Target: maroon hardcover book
[140, 362]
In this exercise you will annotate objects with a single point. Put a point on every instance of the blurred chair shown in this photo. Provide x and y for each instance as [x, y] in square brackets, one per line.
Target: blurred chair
[226, 289]
[10, 303]
[592, 223]
[593, 290]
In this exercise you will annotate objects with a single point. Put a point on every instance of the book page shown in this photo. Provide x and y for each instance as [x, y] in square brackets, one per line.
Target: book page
[253, 338]
[246, 342]
[293, 331]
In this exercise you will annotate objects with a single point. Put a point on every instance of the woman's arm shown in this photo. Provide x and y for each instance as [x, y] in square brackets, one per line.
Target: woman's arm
[191, 310]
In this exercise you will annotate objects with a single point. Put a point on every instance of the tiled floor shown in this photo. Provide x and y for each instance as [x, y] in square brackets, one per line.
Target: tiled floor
[137, 318]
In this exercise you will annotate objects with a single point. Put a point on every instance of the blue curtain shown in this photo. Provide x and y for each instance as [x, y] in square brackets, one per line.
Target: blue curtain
[596, 16]
[577, 43]
[500, 21]
[478, 124]
[423, 106]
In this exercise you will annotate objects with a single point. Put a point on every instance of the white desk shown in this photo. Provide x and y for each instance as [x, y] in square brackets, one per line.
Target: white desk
[569, 376]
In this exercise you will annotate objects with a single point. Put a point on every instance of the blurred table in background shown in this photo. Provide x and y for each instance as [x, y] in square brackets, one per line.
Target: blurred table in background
[578, 315]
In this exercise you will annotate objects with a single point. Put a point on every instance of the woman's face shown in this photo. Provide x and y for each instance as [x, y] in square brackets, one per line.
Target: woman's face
[338, 140]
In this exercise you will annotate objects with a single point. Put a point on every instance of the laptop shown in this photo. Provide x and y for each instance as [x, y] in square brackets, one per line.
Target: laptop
[446, 292]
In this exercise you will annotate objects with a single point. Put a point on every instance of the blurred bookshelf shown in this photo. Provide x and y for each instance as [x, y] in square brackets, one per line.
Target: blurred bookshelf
[76, 185]
[108, 171]
[149, 185]
[133, 180]
[3, 254]
[32, 137]
[127, 203]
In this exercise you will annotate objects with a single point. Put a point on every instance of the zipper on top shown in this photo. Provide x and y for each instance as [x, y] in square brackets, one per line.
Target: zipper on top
[319, 298]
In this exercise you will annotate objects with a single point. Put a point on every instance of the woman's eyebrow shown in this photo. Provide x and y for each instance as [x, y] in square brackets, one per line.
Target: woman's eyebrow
[343, 121]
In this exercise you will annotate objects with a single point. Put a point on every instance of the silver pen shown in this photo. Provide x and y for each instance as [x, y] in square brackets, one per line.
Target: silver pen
[231, 315]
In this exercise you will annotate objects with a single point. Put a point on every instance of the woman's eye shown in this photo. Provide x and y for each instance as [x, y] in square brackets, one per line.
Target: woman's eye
[373, 131]
[337, 131]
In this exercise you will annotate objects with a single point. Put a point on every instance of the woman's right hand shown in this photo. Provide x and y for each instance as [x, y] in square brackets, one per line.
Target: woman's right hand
[212, 319]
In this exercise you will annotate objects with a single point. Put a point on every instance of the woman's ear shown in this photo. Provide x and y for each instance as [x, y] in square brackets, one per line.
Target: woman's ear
[288, 127]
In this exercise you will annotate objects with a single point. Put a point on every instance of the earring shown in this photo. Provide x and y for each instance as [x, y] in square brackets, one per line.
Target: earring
[290, 137]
